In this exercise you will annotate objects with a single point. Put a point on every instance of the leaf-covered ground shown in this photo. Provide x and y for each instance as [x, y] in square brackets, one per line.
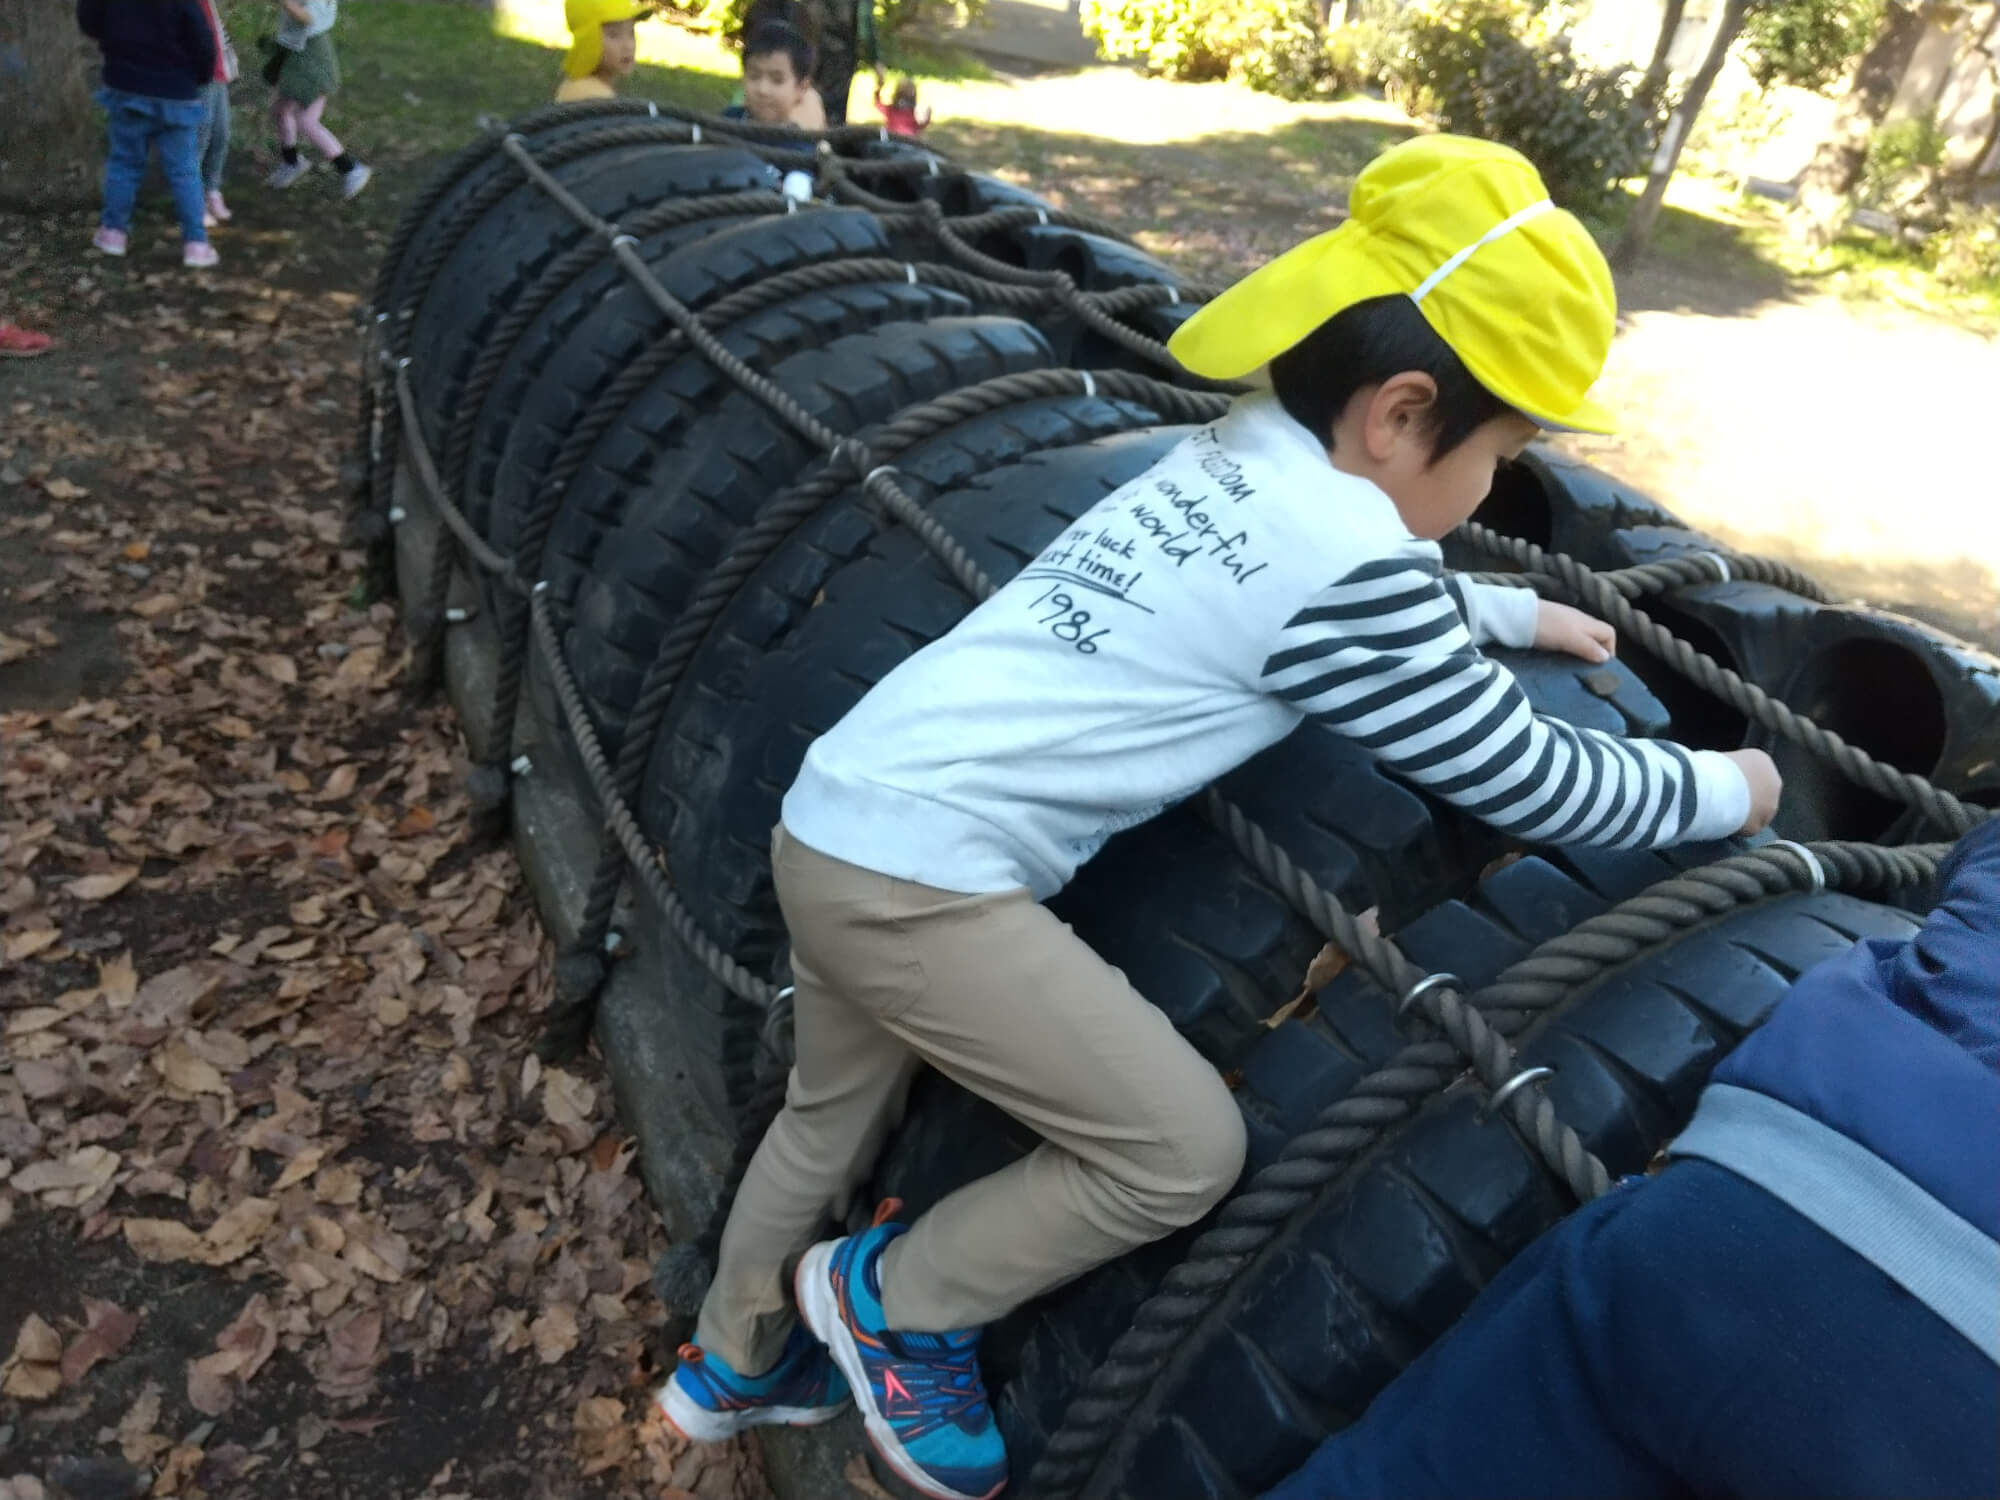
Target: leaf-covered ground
[288, 1205]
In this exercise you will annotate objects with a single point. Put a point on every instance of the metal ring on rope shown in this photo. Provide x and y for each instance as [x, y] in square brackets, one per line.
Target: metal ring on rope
[1499, 1097]
[1424, 987]
[1815, 871]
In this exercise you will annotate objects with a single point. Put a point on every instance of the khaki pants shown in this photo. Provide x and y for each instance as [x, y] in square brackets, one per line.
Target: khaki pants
[1140, 1136]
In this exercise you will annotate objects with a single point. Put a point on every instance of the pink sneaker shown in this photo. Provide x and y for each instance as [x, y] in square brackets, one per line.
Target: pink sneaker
[217, 209]
[110, 241]
[199, 254]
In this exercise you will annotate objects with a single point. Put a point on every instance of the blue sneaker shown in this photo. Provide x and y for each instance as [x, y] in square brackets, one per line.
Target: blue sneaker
[707, 1401]
[920, 1394]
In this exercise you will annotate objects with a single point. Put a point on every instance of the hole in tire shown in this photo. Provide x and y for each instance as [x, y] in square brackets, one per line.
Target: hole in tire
[1518, 506]
[1879, 697]
[1697, 718]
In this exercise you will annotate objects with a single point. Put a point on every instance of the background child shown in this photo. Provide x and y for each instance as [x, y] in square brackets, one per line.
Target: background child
[810, 114]
[1283, 566]
[305, 71]
[900, 114]
[157, 55]
[213, 137]
[777, 80]
[604, 47]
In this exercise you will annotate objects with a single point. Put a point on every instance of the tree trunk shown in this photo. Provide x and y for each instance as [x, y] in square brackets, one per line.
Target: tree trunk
[1960, 184]
[1638, 231]
[1820, 211]
[838, 42]
[1656, 71]
[51, 143]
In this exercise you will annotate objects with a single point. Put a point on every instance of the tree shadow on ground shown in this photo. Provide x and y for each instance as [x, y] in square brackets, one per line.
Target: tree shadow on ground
[1216, 205]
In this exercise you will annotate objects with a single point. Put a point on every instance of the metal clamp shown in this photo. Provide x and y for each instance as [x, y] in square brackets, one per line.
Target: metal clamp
[622, 238]
[614, 942]
[1173, 295]
[1423, 987]
[397, 515]
[458, 614]
[1523, 1079]
[520, 765]
[694, 134]
[1815, 871]
[1719, 563]
[910, 271]
[1089, 382]
[1042, 215]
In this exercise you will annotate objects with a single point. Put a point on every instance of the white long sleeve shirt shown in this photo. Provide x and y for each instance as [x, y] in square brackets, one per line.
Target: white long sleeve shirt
[1188, 621]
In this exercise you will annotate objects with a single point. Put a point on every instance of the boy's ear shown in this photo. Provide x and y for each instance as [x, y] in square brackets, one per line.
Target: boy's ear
[1400, 408]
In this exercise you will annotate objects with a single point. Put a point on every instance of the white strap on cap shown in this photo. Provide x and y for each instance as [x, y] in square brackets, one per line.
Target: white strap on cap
[1505, 227]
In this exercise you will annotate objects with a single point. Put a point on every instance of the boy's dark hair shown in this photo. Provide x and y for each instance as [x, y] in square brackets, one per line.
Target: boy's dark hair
[1367, 344]
[775, 37]
[792, 13]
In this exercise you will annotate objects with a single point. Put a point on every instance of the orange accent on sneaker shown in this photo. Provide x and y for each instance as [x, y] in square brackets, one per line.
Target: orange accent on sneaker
[689, 1354]
[887, 1209]
[892, 1387]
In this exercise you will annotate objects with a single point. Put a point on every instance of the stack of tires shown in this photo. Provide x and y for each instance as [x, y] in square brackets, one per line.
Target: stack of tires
[616, 467]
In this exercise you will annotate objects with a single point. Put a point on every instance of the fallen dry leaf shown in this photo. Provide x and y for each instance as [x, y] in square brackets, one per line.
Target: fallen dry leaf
[100, 887]
[345, 1369]
[183, 1070]
[554, 1333]
[215, 1380]
[33, 1371]
[70, 1182]
[163, 1240]
[238, 1231]
[30, 941]
[109, 1328]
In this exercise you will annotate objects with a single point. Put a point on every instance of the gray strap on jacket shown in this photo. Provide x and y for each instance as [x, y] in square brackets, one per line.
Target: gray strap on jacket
[1940, 1258]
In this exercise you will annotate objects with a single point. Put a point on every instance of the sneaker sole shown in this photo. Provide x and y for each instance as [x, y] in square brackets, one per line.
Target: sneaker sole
[812, 1287]
[698, 1424]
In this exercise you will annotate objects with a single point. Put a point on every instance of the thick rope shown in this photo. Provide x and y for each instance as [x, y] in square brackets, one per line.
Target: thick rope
[1605, 598]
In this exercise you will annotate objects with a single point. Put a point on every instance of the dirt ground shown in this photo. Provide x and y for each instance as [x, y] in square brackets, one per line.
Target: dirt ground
[288, 1204]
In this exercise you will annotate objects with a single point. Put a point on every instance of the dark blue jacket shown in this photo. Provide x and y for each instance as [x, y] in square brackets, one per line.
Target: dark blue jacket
[1805, 1302]
[163, 49]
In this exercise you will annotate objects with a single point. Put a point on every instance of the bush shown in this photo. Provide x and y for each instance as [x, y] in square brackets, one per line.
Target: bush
[1965, 251]
[1496, 69]
[1807, 43]
[1900, 173]
[1273, 45]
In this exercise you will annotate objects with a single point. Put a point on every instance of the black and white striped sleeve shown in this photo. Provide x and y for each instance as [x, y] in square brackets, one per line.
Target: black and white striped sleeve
[1385, 658]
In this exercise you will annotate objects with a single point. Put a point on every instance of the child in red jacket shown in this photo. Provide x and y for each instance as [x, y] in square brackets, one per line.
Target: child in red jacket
[901, 113]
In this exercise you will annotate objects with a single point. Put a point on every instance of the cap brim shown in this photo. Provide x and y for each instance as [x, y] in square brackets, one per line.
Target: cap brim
[1586, 416]
[1237, 332]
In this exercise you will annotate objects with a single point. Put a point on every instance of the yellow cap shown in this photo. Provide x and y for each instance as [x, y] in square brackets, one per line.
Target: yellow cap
[1465, 229]
[586, 21]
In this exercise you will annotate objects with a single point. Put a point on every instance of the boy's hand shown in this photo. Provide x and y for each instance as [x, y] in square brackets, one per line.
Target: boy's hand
[1766, 786]
[1560, 628]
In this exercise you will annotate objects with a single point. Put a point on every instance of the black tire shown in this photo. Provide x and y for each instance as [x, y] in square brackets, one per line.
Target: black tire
[693, 499]
[1561, 505]
[1394, 1250]
[872, 614]
[1908, 696]
[683, 394]
[437, 215]
[540, 321]
[502, 253]
[562, 370]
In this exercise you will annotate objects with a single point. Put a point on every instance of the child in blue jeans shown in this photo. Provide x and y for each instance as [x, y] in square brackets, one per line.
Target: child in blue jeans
[157, 56]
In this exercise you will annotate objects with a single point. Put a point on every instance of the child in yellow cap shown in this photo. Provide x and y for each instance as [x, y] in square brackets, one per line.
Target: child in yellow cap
[603, 48]
[1281, 565]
